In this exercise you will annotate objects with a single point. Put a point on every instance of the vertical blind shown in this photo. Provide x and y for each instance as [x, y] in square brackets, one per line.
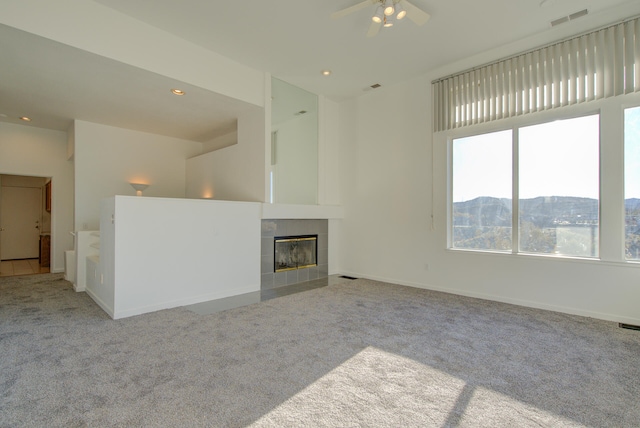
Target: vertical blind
[592, 66]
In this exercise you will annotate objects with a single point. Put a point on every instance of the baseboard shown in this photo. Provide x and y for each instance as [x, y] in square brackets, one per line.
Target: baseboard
[100, 303]
[502, 299]
[183, 302]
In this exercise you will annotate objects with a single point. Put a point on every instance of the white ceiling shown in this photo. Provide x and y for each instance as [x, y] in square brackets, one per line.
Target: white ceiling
[291, 39]
[295, 39]
[55, 83]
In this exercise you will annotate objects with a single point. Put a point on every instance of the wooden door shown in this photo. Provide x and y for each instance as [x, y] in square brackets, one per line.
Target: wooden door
[21, 208]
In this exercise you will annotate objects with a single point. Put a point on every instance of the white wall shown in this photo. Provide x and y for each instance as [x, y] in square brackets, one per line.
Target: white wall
[234, 173]
[107, 159]
[26, 150]
[385, 189]
[296, 167]
[152, 262]
[396, 177]
[329, 156]
[221, 142]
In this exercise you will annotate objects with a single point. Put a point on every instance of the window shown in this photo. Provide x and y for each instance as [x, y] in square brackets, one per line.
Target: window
[632, 183]
[482, 192]
[557, 185]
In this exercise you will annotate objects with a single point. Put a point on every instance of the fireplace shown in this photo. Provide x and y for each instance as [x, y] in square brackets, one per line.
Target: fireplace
[288, 228]
[295, 252]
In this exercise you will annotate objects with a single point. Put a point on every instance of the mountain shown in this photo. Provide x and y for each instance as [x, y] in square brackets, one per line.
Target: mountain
[542, 212]
[547, 224]
[632, 204]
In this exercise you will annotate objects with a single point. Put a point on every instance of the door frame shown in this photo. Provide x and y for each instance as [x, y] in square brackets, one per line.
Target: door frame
[48, 201]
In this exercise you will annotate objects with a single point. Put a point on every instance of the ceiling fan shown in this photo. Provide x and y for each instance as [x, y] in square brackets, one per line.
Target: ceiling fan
[386, 13]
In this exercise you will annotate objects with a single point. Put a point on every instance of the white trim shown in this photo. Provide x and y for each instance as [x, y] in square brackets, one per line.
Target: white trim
[99, 302]
[178, 303]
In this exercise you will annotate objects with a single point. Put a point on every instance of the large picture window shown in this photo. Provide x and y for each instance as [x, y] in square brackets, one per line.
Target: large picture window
[632, 182]
[557, 184]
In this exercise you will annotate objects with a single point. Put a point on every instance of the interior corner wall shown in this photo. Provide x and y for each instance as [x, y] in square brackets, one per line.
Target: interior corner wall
[27, 150]
[71, 140]
[107, 159]
[234, 173]
[221, 142]
[385, 172]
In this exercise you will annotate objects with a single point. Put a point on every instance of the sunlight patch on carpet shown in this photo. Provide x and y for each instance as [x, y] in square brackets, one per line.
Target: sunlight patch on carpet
[487, 407]
[373, 388]
[378, 388]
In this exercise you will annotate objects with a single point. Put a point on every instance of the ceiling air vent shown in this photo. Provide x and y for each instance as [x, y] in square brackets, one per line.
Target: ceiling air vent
[571, 17]
[374, 86]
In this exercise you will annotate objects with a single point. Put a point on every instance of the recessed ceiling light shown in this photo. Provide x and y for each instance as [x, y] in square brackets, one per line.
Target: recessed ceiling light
[177, 92]
[25, 118]
[326, 72]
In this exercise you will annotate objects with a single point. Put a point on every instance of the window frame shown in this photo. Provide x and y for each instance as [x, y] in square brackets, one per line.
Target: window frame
[513, 125]
[623, 108]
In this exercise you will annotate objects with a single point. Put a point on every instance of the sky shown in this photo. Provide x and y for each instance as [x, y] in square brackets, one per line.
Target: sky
[559, 158]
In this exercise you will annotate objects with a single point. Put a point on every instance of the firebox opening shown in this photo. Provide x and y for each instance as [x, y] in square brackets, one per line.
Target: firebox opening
[295, 252]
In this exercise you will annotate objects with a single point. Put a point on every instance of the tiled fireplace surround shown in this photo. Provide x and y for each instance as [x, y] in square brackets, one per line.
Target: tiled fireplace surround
[272, 228]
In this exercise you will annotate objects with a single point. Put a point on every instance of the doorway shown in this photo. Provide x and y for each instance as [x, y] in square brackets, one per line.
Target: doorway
[25, 225]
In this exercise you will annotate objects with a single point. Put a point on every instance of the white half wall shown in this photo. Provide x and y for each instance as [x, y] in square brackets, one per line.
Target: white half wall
[158, 262]
[107, 159]
[234, 173]
[27, 150]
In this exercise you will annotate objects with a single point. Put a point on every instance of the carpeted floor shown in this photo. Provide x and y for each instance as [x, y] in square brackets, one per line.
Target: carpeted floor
[362, 353]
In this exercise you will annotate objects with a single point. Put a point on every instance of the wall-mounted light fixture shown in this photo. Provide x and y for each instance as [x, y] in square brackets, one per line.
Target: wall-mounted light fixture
[139, 187]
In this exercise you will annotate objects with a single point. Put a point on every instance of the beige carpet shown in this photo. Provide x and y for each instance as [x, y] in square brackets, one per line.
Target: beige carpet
[357, 354]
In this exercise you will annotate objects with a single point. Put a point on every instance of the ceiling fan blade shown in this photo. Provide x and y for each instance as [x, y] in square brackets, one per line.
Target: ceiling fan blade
[374, 28]
[344, 12]
[415, 14]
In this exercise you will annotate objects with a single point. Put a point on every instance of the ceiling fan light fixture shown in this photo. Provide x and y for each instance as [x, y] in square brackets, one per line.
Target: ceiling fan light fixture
[388, 8]
[388, 22]
[401, 12]
[379, 15]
